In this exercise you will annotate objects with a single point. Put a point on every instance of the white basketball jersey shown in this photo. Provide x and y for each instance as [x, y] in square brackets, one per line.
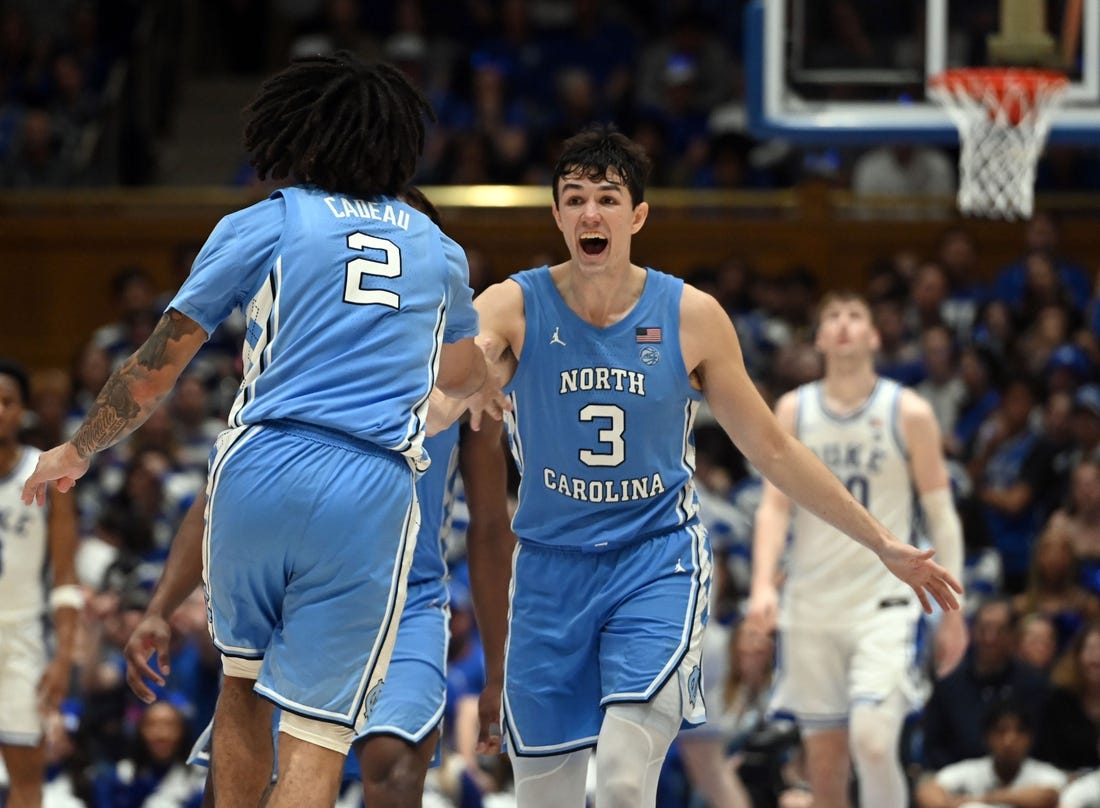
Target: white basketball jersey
[22, 546]
[832, 579]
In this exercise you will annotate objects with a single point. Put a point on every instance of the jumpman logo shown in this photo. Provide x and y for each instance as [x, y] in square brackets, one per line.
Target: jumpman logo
[679, 567]
[555, 339]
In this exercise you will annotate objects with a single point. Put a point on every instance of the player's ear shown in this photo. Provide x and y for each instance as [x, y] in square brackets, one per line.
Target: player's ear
[641, 213]
[557, 216]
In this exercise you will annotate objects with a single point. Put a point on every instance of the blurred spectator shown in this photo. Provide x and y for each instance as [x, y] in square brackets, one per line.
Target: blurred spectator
[51, 392]
[686, 46]
[1084, 792]
[899, 355]
[156, 771]
[980, 371]
[741, 662]
[958, 256]
[1053, 590]
[1007, 775]
[1042, 237]
[1010, 468]
[133, 296]
[1079, 520]
[38, 158]
[1071, 717]
[927, 296]
[989, 672]
[68, 771]
[119, 536]
[1067, 367]
[1051, 327]
[903, 170]
[193, 424]
[1038, 643]
[339, 28]
[595, 40]
[995, 328]
[1042, 287]
[942, 385]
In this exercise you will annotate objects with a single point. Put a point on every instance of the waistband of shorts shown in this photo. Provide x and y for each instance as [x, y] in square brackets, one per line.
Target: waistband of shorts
[610, 547]
[332, 437]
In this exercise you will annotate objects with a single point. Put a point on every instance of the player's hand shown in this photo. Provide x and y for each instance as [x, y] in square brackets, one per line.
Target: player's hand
[152, 634]
[53, 686]
[763, 609]
[950, 643]
[61, 463]
[924, 575]
[490, 401]
[488, 713]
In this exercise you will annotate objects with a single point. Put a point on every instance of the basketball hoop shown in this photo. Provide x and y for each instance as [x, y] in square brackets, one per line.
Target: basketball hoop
[1003, 116]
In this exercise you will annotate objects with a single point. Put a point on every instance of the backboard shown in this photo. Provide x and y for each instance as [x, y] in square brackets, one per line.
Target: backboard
[856, 71]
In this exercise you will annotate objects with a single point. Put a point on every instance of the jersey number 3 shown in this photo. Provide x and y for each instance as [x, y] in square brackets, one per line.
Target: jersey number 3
[358, 267]
[611, 436]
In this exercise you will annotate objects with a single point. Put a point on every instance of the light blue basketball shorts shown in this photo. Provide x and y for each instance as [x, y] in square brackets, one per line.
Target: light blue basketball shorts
[415, 693]
[309, 537]
[592, 629]
[413, 698]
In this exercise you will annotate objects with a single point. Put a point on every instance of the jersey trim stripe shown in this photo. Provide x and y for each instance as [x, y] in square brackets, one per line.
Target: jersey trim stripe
[688, 505]
[842, 418]
[233, 442]
[895, 423]
[415, 434]
[262, 306]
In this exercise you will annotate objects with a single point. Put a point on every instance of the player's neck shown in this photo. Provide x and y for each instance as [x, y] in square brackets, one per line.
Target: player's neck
[10, 452]
[849, 383]
[600, 298]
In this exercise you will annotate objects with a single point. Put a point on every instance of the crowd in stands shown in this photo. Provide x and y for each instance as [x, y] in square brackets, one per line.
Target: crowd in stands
[508, 81]
[1012, 368]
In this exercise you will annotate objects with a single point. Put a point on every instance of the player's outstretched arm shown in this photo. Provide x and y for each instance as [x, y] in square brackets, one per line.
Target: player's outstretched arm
[182, 573]
[130, 395]
[770, 526]
[490, 544]
[712, 352]
[928, 469]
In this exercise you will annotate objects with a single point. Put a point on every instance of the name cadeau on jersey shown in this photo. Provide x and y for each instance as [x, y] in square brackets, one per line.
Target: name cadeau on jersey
[342, 207]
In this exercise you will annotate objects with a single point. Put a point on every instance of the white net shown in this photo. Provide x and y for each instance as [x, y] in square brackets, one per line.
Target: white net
[1003, 117]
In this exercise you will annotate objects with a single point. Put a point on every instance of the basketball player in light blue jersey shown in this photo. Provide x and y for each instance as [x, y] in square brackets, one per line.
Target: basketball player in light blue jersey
[606, 362]
[847, 637]
[356, 305]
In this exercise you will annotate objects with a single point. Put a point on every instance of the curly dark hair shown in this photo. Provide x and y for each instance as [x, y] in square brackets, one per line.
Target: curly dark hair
[598, 150]
[338, 122]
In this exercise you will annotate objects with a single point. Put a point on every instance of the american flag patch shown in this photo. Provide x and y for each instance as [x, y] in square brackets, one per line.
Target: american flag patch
[649, 334]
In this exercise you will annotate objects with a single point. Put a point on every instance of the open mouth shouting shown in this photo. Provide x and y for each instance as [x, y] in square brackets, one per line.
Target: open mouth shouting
[593, 243]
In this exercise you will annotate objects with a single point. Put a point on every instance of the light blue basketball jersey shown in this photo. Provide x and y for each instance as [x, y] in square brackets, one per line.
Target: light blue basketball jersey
[436, 491]
[602, 422]
[347, 304]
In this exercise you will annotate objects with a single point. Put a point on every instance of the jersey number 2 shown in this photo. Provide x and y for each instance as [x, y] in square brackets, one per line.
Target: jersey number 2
[358, 267]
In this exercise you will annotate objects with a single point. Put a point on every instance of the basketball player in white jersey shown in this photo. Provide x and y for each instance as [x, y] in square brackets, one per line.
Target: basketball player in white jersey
[29, 685]
[847, 632]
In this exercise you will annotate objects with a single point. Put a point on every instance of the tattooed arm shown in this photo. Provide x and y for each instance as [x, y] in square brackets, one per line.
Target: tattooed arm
[130, 395]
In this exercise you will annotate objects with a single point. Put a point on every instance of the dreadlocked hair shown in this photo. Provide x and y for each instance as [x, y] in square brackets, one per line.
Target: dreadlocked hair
[339, 123]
